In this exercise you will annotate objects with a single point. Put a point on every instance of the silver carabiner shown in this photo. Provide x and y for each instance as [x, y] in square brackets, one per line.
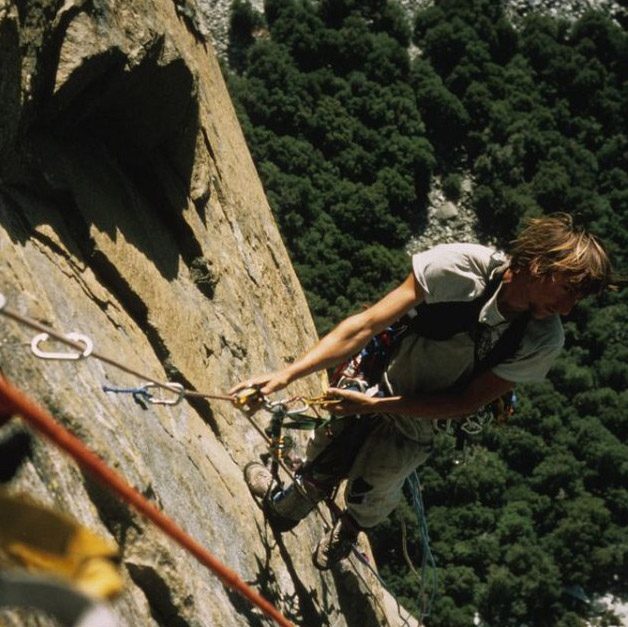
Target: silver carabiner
[75, 337]
[3, 301]
[176, 388]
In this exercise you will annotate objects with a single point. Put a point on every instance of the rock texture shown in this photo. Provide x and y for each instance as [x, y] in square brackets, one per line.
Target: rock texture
[447, 221]
[130, 211]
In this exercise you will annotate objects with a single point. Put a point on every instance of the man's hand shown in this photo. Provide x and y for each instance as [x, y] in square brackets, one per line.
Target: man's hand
[348, 403]
[265, 383]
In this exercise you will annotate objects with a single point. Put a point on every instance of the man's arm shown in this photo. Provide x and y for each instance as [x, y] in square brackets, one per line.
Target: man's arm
[483, 389]
[349, 337]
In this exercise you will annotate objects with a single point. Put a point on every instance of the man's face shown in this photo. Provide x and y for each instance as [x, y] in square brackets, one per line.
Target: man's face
[550, 294]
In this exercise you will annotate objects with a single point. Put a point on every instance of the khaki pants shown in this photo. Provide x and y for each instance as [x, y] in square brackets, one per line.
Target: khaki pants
[376, 462]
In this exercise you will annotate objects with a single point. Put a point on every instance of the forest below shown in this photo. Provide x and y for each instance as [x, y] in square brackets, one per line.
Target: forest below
[349, 130]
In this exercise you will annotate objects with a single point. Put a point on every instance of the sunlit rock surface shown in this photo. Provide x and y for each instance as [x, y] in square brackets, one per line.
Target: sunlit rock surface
[131, 212]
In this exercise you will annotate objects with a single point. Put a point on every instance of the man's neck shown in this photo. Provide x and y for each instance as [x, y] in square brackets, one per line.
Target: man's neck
[512, 298]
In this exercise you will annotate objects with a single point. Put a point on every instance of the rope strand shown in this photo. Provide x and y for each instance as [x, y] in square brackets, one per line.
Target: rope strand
[43, 422]
[33, 324]
[14, 402]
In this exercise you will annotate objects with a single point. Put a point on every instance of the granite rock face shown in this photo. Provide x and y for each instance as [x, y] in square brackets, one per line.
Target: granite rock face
[130, 211]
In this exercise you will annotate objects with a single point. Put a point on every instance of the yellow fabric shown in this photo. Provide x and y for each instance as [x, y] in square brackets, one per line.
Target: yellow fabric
[43, 540]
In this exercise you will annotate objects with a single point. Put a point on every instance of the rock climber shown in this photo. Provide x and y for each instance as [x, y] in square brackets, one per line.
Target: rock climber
[476, 322]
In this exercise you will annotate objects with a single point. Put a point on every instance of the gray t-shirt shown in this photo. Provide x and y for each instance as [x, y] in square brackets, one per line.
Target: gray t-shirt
[454, 273]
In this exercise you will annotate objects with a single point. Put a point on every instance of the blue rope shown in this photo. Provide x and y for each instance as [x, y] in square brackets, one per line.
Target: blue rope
[140, 395]
[428, 579]
[429, 575]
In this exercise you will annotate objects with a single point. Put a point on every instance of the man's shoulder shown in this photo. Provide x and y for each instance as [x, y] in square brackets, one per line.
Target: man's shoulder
[461, 271]
[463, 249]
[464, 257]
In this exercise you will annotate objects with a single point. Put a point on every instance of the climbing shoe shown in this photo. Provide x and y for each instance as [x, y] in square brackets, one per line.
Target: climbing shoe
[262, 484]
[336, 544]
[259, 479]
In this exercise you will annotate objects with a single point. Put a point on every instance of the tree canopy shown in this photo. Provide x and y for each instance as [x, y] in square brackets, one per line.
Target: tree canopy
[348, 132]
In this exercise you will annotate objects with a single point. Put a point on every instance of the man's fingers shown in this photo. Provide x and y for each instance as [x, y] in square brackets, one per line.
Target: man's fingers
[243, 385]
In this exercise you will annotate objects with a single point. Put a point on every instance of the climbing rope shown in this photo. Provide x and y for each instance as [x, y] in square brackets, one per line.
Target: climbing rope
[247, 401]
[84, 348]
[12, 401]
[429, 576]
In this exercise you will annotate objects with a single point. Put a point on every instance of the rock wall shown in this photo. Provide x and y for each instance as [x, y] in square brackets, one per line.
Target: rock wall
[130, 211]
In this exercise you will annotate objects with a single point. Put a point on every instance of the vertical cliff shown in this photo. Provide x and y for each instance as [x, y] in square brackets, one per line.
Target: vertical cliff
[130, 211]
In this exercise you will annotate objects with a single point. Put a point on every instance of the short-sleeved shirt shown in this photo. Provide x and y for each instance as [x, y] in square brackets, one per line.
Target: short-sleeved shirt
[456, 273]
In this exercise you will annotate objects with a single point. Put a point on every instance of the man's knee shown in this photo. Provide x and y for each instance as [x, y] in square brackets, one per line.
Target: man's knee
[357, 491]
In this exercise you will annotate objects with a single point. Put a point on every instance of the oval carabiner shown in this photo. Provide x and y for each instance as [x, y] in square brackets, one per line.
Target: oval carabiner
[175, 388]
[75, 337]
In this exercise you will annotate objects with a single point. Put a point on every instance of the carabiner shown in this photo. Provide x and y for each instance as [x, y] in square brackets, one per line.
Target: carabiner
[249, 399]
[175, 388]
[75, 337]
[3, 301]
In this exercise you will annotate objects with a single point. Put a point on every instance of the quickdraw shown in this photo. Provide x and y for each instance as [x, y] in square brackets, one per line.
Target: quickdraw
[280, 446]
[142, 396]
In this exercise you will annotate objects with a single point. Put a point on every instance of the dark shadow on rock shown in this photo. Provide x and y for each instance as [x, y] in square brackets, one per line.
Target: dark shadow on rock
[353, 598]
[309, 613]
[114, 149]
[10, 77]
[115, 515]
[299, 608]
[157, 591]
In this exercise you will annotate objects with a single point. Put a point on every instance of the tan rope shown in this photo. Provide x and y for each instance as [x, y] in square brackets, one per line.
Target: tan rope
[320, 401]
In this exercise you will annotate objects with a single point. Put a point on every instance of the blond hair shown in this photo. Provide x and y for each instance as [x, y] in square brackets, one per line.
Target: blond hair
[553, 244]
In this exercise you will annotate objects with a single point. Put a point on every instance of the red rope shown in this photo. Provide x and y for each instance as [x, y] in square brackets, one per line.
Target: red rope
[12, 401]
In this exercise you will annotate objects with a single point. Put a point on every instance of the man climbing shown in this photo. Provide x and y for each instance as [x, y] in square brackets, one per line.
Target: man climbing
[476, 322]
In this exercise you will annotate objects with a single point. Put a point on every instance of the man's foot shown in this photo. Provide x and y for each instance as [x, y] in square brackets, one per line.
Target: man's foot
[259, 479]
[262, 484]
[336, 544]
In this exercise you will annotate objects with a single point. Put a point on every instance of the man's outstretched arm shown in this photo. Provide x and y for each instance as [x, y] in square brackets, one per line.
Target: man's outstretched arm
[349, 337]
